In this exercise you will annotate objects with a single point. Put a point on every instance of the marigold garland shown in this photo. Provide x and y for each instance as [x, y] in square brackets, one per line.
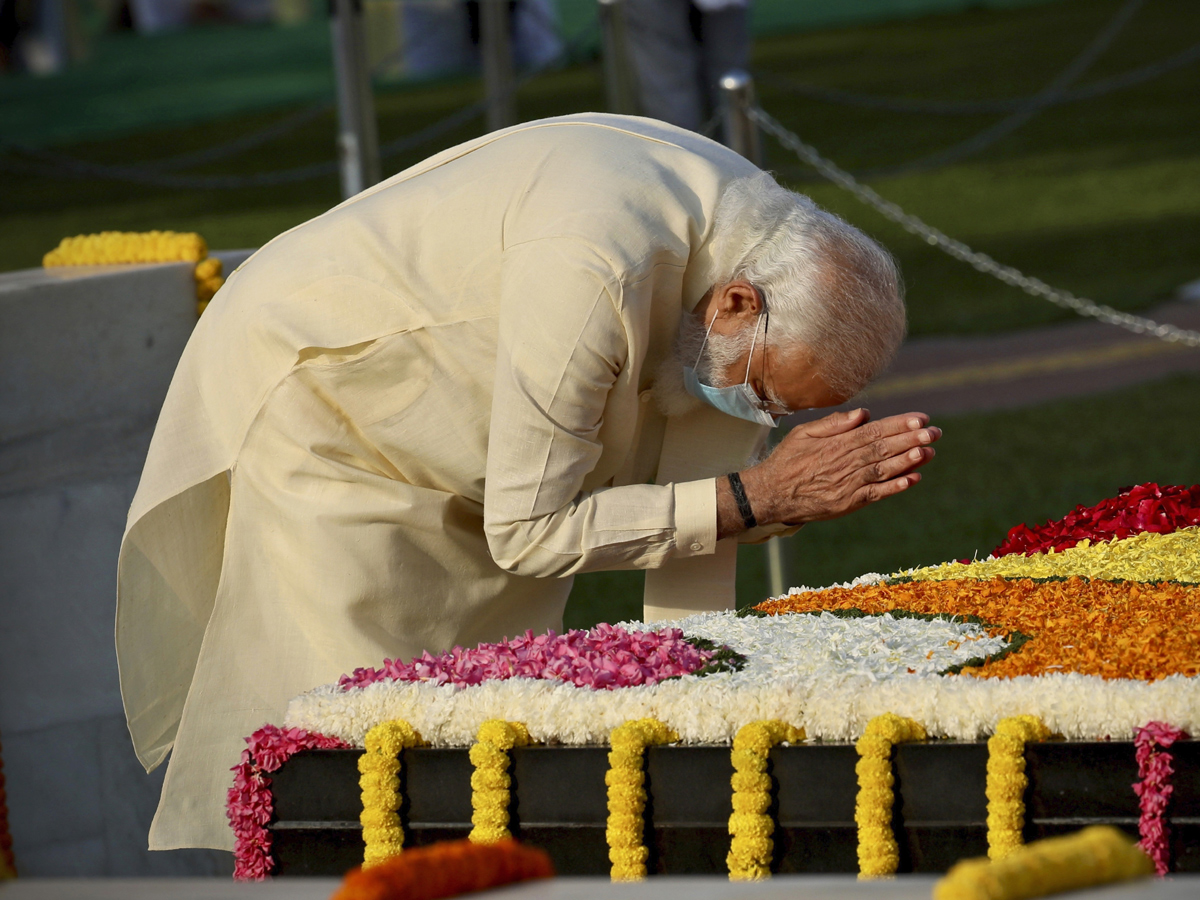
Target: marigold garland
[446, 869]
[490, 782]
[379, 766]
[1006, 782]
[1154, 790]
[1146, 557]
[878, 852]
[113, 247]
[1113, 630]
[1097, 855]
[750, 827]
[626, 780]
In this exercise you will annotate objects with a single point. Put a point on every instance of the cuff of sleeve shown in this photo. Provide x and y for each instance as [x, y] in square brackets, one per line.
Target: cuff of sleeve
[764, 533]
[696, 518]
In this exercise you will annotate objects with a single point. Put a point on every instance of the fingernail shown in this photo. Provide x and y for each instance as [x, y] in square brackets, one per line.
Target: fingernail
[914, 454]
[854, 412]
[925, 437]
[914, 423]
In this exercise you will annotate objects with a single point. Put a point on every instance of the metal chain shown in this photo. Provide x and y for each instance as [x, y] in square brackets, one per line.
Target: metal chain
[960, 251]
[1096, 88]
[1032, 107]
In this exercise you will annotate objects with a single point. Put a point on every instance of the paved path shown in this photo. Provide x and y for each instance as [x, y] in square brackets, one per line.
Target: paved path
[953, 374]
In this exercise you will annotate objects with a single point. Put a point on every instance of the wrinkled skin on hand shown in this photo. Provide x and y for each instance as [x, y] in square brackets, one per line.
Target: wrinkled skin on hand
[830, 467]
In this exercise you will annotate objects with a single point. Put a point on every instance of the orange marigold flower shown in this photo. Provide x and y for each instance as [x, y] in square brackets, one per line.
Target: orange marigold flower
[445, 869]
[1111, 629]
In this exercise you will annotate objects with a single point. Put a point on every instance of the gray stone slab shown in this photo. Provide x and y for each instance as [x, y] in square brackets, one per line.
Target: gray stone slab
[53, 783]
[86, 343]
[58, 553]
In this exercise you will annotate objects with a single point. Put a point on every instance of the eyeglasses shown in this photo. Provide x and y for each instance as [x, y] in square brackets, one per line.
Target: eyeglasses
[768, 406]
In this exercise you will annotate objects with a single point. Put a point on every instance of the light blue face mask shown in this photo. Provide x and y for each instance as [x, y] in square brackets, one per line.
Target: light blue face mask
[738, 400]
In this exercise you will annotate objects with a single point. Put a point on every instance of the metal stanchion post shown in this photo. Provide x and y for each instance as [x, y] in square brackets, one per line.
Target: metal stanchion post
[777, 574]
[358, 136]
[741, 131]
[741, 135]
[620, 80]
[496, 47]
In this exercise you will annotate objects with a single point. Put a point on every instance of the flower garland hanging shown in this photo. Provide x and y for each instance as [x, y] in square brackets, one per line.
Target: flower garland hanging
[1154, 789]
[1097, 855]
[750, 827]
[446, 869]
[1006, 782]
[114, 247]
[878, 852]
[490, 782]
[249, 804]
[379, 767]
[626, 780]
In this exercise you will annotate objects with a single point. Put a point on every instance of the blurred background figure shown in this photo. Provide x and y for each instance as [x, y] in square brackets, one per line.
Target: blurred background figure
[442, 36]
[680, 49]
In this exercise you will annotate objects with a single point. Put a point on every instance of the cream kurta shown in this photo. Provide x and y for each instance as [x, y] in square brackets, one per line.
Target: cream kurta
[406, 423]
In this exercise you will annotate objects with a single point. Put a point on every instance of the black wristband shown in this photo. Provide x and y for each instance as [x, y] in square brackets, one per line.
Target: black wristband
[743, 502]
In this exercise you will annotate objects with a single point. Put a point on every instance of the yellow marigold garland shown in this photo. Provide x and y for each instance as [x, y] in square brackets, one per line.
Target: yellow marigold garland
[878, 852]
[626, 780]
[380, 783]
[750, 827]
[1006, 782]
[1097, 855]
[113, 247]
[490, 782]
[1143, 557]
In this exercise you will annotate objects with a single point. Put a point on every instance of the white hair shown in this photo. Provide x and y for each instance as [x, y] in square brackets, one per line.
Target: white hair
[827, 285]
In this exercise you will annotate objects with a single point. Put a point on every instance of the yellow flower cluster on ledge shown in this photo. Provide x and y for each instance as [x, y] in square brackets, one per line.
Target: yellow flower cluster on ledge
[626, 780]
[490, 782]
[117, 247]
[878, 852]
[1143, 557]
[380, 783]
[750, 827]
[1006, 782]
[1097, 855]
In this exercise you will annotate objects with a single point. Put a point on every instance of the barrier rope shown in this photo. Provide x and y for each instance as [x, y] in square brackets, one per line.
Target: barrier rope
[958, 250]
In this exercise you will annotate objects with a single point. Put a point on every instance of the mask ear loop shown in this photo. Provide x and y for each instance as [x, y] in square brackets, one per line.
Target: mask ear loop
[753, 341]
[765, 312]
[704, 343]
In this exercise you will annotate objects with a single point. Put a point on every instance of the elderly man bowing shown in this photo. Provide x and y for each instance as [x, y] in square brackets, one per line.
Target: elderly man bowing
[406, 424]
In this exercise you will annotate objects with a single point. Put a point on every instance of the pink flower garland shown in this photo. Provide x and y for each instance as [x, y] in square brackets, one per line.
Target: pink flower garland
[604, 658]
[1154, 789]
[249, 803]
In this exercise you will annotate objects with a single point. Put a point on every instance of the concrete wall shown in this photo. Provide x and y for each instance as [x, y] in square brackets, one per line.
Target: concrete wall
[86, 355]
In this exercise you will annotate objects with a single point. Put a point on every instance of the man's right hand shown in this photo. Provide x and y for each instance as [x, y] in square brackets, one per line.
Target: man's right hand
[830, 467]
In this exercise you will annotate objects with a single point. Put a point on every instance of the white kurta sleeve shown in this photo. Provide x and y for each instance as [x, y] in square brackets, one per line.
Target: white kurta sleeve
[562, 346]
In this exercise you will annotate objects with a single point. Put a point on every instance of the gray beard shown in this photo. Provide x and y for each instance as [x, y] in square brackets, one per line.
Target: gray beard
[721, 351]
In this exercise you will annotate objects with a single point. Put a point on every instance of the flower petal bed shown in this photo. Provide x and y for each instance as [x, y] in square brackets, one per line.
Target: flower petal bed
[1144, 508]
[1144, 557]
[1108, 629]
[606, 657]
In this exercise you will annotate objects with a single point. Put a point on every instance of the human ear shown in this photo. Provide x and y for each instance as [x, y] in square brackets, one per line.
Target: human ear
[739, 299]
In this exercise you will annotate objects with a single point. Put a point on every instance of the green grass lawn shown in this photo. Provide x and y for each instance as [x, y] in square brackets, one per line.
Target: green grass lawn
[992, 471]
[1101, 197]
